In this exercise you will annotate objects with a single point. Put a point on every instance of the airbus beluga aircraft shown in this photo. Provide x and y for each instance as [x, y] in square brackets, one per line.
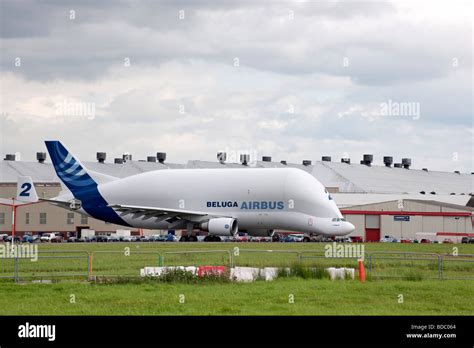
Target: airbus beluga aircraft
[219, 201]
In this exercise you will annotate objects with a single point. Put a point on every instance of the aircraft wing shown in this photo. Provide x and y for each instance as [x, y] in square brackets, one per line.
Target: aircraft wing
[161, 214]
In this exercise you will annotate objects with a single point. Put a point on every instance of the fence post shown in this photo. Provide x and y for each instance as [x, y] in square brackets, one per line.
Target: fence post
[160, 260]
[440, 267]
[370, 264]
[90, 258]
[15, 268]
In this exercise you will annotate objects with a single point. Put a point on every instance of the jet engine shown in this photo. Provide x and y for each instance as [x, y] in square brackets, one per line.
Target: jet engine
[220, 226]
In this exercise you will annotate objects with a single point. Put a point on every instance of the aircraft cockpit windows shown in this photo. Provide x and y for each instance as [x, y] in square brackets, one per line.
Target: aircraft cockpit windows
[338, 219]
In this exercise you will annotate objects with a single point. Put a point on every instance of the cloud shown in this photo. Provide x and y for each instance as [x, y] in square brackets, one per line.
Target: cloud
[288, 79]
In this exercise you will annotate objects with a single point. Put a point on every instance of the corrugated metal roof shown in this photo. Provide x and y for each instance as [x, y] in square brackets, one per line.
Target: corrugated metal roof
[427, 201]
[348, 178]
[345, 200]
[381, 179]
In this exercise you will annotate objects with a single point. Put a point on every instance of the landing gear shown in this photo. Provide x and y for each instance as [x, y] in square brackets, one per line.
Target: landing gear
[306, 239]
[211, 238]
[188, 239]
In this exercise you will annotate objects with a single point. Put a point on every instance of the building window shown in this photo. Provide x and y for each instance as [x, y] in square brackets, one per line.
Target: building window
[84, 220]
[42, 218]
[2, 218]
[27, 218]
[70, 218]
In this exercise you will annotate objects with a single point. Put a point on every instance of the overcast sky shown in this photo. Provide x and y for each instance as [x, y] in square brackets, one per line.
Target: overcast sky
[294, 80]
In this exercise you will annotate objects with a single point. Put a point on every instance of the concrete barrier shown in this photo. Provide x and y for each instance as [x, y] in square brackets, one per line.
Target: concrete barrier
[340, 273]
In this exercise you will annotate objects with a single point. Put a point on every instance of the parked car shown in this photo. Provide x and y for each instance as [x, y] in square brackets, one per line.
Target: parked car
[57, 239]
[388, 239]
[47, 237]
[343, 240]
[405, 240]
[157, 238]
[425, 241]
[101, 238]
[27, 239]
[241, 238]
[447, 241]
[3, 236]
[75, 240]
[9, 239]
[129, 238]
[90, 239]
[113, 238]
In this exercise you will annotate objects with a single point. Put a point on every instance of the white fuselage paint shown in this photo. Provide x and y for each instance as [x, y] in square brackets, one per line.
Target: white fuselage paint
[295, 200]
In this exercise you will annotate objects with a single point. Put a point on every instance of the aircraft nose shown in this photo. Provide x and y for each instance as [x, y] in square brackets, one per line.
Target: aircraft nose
[348, 227]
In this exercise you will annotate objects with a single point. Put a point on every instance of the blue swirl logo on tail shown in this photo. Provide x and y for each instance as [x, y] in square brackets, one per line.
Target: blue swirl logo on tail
[68, 169]
[81, 184]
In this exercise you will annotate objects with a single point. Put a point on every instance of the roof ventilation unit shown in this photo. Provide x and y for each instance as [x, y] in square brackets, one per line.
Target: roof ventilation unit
[9, 157]
[266, 158]
[432, 192]
[346, 160]
[101, 156]
[406, 162]
[397, 165]
[222, 157]
[326, 158]
[457, 172]
[118, 161]
[41, 157]
[283, 162]
[306, 162]
[127, 157]
[161, 157]
[388, 161]
[425, 169]
[244, 159]
[452, 193]
[368, 159]
[422, 192]
[151, 159]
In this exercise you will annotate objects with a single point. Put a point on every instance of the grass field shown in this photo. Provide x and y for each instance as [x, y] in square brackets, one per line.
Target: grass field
[410, 295]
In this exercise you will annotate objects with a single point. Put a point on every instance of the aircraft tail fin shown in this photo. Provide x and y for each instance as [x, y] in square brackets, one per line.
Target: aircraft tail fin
[70, 171]
[25, 190]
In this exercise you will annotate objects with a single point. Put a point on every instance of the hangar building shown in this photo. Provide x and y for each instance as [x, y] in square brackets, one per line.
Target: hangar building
[378, 199]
